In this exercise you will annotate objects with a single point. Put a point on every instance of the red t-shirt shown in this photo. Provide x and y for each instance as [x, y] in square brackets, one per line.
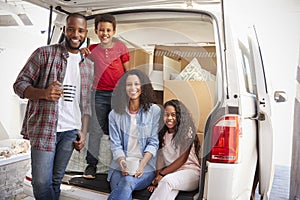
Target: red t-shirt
[108, 63]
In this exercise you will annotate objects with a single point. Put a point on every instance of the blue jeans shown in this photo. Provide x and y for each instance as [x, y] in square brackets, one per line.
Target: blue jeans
[98, 124]
[123, 186]
[48, 167]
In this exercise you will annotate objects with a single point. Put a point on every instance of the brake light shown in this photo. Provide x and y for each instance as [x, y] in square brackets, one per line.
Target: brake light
[225, 140]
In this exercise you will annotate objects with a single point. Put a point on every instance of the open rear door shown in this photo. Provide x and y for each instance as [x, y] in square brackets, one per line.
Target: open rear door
[265, 131]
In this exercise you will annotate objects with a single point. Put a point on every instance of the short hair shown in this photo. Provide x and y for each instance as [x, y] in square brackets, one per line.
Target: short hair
[105, 18]
[77, 15]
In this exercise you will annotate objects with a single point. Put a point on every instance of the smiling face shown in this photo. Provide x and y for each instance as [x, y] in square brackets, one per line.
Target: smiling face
[170, 118]
[133, 87]
[75, 32]
[105, 32]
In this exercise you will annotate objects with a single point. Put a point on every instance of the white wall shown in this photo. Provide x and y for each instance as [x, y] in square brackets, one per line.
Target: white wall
[16, 45]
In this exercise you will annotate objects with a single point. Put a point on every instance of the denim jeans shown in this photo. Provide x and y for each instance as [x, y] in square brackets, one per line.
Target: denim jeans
[123, 186]
[98, 124]
[48, 167]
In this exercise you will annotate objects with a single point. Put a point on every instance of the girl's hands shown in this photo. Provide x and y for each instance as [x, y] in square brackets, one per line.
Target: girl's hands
[156, 180]
[151, 188]
[154, 183]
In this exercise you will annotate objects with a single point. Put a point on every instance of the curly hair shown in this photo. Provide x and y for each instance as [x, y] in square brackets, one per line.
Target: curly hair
[184, 130]
[120, 98]
[105, 18]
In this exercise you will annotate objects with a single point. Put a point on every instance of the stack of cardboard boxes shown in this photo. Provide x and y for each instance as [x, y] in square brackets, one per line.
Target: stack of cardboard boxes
[165, 63]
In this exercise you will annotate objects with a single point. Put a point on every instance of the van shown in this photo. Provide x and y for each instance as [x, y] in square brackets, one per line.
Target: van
[191, 52]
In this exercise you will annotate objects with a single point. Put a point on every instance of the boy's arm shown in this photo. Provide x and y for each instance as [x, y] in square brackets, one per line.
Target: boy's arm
[126, 66]
[85, 51]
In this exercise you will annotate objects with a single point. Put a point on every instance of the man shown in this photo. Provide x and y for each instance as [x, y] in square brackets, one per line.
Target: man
[57, 80]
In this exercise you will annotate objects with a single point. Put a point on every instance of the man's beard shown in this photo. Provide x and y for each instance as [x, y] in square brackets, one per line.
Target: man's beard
[71, 47]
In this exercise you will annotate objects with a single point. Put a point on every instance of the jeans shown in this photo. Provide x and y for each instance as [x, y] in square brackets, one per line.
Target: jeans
[48, 167]
[101, 106]
[123, 186]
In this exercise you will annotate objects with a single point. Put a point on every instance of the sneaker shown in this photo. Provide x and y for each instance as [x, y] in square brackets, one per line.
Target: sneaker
[90, 172]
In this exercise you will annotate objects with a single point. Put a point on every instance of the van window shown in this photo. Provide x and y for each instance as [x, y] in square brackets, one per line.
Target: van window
[25, 19]
[14, 20]
[8, 20]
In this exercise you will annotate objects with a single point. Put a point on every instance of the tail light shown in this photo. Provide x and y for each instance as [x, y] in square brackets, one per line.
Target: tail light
[225, 140]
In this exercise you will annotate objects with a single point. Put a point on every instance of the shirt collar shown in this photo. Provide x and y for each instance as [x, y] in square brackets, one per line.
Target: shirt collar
[66, 53]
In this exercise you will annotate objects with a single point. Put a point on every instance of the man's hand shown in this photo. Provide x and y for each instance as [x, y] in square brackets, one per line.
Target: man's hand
[54, 91]
[80, 141]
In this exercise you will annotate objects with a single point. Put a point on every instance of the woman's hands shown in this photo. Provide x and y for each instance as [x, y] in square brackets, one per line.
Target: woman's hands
[139, 172]
[124, 168]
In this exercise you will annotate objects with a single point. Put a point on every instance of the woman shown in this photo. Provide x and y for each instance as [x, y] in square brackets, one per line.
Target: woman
[178, 167]
[133, 128]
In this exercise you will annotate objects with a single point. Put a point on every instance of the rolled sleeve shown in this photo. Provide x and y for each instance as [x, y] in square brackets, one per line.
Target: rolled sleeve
[20, 87]
[29, 74]
[151, 149]
[153, 141]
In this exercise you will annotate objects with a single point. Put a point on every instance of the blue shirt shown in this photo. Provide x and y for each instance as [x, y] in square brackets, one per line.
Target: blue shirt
[147, 125]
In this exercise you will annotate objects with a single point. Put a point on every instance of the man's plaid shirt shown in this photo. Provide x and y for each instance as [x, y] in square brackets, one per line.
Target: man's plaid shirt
[46, 65]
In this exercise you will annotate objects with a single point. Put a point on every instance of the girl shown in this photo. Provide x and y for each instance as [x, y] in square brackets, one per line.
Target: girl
[178, 167]
[133, 129]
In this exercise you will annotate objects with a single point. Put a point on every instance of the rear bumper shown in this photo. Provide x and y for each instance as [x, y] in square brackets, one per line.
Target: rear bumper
[227, 182]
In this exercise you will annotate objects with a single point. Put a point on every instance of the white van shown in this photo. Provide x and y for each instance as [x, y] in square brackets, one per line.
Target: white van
[190, 52]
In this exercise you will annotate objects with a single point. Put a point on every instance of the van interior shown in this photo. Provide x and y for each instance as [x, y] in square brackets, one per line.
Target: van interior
[178, 53]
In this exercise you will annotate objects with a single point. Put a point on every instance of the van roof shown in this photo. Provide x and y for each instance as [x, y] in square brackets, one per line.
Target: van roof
[91, 7]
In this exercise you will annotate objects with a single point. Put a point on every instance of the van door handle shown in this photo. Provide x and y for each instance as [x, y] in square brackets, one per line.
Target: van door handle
[260, 116]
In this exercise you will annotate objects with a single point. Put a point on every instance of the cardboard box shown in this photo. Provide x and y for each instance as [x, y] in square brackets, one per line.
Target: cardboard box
[140, 59]
[206, 56]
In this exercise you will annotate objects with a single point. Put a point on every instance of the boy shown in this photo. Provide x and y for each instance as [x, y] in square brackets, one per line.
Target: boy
[111, 60]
